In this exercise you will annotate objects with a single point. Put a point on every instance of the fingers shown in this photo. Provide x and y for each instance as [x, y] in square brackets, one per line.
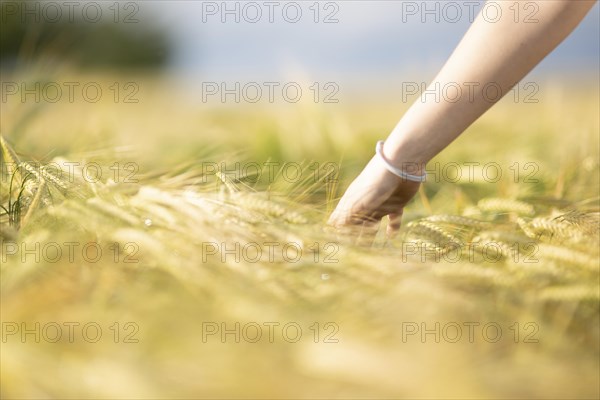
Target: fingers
[354, 225]
[394, 224]
[348, 217]
[372, 195]
[364, 225]
[366, 232]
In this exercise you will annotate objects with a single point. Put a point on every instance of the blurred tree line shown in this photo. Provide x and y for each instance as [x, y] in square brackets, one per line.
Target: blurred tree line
[85, 34]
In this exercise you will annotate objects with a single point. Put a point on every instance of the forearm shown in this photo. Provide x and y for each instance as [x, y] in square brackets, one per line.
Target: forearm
[496, 55]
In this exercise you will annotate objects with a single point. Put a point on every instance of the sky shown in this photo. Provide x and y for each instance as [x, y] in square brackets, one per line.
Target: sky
[344, 41]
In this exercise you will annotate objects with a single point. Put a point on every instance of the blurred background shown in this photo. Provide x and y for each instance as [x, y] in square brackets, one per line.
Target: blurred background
[165, 66]
[371, 45]
[140, 83]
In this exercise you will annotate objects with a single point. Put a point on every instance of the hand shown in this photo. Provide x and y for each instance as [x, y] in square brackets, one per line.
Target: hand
[375, 193]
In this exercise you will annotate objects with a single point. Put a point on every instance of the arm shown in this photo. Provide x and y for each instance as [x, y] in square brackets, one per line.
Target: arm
[501, 53]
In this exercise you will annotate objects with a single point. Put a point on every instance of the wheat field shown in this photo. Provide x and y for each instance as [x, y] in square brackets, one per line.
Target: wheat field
[156, 250]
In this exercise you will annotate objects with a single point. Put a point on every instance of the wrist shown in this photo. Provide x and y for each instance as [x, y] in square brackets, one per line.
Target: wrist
[407, 171]
[404, 157]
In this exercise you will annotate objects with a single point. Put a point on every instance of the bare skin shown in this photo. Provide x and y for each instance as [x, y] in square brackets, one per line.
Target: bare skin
[498, 53]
